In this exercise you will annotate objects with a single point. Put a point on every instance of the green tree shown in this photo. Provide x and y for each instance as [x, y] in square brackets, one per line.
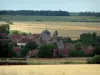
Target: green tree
[94, 35]
[81, 53]
[45, 52]
[15, 32]
[96, 51]
[6, 48]
[4, 28]
[77, 46]
[31, 45]
[24, 52]
[71, 53]
[56, 32]
[67, 40]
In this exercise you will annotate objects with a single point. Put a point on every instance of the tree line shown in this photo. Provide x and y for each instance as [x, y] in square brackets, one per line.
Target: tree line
[35, 12]
[89, 14]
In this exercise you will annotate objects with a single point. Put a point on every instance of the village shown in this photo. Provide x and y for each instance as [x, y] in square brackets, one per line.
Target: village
[65, 46]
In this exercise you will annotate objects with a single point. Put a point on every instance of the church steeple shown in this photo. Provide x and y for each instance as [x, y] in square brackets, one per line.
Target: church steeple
[46, 27]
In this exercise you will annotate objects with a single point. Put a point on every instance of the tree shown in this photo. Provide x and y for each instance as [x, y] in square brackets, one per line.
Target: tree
[96, 51]
[15, 32]
[81, 53]
[87, 38]
[36, 13]
[71, 53]
[77, 46]
[24, 52]
[45, 52]
[67, 40]
[56, 32]
[31, 45]
[6, 48]
[4, 28]
[94, 36]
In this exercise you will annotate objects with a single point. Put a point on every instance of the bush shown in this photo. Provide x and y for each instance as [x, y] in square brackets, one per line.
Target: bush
[96, 51]
[24, 52]
[71, 53]
[94, 60]
[45, 52]
[76, 53]
[60, 56]
[81, 53]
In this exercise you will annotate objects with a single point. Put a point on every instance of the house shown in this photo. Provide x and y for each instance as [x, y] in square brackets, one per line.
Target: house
[21, 40]
[87, 49]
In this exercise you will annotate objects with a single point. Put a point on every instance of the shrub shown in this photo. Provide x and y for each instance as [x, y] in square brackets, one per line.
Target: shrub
[94, 60]
[45, 52]
[31, 45]
[81, 53]
[76, 53]
[71, 53]
[60, 56]
[96, 51]
[24, 52]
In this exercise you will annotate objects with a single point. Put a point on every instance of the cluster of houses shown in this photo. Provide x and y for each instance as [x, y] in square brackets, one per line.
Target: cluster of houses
[45, 38]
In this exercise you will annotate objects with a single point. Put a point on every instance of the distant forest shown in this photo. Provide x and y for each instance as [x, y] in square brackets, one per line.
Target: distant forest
[47, 13]
[35, 13]
[89, 14]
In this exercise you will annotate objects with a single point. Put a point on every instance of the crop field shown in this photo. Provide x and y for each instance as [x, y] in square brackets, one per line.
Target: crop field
[65, 29]
[68, 29]
[83, 69]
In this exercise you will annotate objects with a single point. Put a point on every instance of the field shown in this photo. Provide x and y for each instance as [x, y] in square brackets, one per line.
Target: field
[83, 69]
[60, 69]
[50, 61]
[69, 26]
[68, 29]
[50, 18]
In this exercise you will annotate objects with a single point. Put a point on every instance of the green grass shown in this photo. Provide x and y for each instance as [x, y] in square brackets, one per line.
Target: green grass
[50, 18]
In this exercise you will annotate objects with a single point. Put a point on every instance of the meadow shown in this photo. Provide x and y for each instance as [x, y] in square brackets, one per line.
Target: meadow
[50, 18]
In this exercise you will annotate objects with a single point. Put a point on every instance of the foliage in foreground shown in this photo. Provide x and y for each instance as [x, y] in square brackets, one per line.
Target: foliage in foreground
[94, 60]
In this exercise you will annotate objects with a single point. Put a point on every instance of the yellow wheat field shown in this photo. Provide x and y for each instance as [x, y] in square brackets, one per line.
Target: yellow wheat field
[51, 70]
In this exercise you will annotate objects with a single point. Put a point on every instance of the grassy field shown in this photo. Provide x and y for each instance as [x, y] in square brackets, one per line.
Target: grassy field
[82, 69]
[50, 18]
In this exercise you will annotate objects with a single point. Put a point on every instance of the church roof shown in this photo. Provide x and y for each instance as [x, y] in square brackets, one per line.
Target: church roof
[46, 32]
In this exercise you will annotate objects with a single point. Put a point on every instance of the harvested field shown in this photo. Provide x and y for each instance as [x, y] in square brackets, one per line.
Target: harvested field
[68, 29]
[83, 69]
